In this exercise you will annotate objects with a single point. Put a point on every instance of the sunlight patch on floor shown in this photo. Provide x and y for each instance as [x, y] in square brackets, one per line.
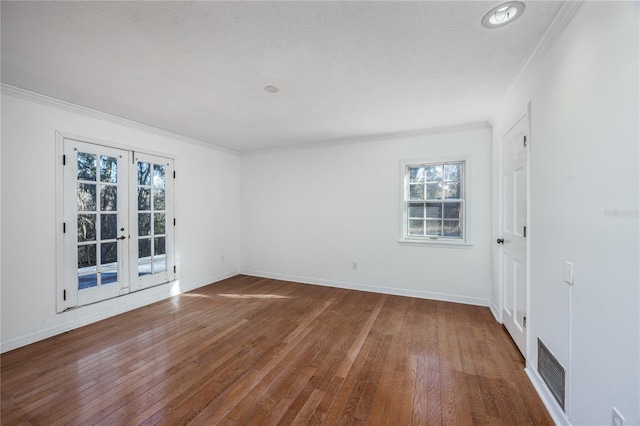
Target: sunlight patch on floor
[196, 295]
[253, 296]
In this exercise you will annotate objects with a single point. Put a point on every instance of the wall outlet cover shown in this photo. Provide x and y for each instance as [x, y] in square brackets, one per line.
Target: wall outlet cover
[568, 273]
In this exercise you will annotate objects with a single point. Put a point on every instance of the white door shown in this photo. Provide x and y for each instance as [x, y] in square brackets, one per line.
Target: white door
[514, 231]
[96, 229]
[152, 221]
[118, 230]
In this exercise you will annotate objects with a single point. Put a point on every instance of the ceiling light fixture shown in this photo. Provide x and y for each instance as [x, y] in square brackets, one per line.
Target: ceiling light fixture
[271, 89]
[503, 14]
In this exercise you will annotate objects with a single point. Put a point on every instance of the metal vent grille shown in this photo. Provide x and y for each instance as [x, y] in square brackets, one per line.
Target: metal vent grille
[552, 372]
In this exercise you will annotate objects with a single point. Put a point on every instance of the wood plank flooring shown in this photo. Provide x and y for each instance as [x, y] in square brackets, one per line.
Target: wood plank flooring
[256, 351]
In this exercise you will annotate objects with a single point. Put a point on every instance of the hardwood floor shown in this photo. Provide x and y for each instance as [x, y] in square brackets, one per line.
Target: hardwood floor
[257, 351]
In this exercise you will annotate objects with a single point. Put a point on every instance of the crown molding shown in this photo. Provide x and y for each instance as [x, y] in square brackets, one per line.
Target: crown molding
[7, 89]
[564, 16]
[480, 125]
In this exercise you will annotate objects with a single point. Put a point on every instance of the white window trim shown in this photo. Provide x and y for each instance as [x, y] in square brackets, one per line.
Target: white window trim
[467, 214]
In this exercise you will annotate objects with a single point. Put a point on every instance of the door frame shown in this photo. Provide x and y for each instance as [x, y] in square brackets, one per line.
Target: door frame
[499, 209]
[60, 136]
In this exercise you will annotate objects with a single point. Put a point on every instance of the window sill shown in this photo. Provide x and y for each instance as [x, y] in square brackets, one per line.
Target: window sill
[429, 242]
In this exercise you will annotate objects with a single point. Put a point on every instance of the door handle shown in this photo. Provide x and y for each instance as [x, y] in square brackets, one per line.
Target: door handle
[500, 241]
[121, 238]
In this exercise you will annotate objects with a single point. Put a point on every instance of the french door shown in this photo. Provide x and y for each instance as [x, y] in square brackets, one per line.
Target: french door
[118, 222]
[152, 221]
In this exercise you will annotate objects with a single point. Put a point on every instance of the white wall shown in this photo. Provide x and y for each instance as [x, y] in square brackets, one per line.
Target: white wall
[207, 206]
[309, 213]
[584, 162]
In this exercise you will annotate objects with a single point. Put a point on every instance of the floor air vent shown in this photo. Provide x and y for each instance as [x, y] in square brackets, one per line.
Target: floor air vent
[552, 372]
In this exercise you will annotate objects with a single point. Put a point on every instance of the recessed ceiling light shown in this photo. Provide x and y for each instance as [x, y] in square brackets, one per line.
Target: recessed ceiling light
[271, 89]
[503, 14]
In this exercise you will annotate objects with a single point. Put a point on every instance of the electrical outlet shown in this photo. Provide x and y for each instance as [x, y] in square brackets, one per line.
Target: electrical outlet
[568, 273]
[222, 259]
[354, 266]
[616, 418]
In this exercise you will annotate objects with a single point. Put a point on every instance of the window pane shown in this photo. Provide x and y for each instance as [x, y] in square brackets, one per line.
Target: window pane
[416, 210]
[144, 248]
[144, 224]
[158, 223]
[108, 169]
[108, 198]
[86, 166]
[452, 172]
[87, 281]
[108, 253]
[434, 191]
[144, 269]
[433, 227]
[452, 190]
[158, 246]
[144, 199]
[108, 277]
[86, 227]
[417, 174]
[416, 191]
[158, 199]
[434, 210]
[108, 226]
[452, 228]
[159, 265]
[452, 210]
[159, 175]
[416, 227]
[434, 173]
[86, 197]
[86, 256]
[144, 174]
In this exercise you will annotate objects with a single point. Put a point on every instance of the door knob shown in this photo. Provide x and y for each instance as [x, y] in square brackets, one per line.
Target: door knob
[500, 241]
[121, 238]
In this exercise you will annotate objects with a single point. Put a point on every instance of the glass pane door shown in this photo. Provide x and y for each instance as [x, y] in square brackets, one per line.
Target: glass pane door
[96, 238]
[152, 222]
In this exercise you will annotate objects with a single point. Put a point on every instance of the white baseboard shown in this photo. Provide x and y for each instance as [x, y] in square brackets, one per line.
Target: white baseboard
[86, 315]
[478, 301]
[558, 416]
[495, 311]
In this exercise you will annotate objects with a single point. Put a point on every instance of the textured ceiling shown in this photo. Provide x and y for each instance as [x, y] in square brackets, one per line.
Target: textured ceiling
[344, 69]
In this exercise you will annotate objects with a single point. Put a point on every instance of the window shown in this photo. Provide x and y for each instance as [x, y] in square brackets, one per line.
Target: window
[434, 203]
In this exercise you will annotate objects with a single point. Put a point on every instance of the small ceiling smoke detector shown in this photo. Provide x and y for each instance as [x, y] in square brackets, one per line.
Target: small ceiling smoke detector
[271, 89]
[503, 14]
